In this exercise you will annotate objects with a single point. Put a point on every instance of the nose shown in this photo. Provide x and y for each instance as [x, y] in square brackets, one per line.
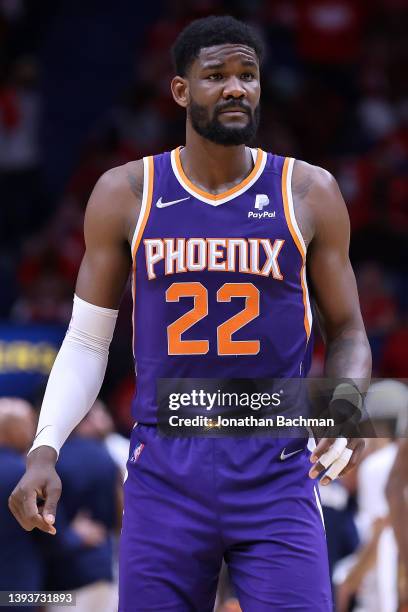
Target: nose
[233, 88]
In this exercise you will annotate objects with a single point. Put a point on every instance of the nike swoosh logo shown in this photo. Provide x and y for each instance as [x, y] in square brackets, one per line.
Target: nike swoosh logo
[284, 456]
[45, 427]
[161, 204]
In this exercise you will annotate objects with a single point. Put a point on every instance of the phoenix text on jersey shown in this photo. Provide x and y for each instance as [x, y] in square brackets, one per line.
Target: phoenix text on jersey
[250, 255]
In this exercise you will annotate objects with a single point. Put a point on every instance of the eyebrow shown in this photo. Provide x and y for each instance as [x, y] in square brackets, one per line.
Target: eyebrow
[218, 65]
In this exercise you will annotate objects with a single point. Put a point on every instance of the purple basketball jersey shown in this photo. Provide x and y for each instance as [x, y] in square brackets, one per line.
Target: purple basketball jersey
[219, 289]
[219, 282]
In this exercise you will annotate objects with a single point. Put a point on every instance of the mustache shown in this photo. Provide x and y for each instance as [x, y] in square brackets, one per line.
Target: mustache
[233, 104]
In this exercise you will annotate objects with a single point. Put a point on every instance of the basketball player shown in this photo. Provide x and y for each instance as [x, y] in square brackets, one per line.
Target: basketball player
[219, 289]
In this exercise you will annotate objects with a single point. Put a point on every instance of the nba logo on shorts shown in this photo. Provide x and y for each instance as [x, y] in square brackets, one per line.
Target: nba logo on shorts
[261, 201]
[137, 452]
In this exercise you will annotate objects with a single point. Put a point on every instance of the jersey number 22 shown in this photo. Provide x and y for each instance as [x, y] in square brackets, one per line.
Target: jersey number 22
[225, 344]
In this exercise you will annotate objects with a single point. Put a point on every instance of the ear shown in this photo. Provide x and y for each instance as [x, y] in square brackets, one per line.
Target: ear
[180, 91]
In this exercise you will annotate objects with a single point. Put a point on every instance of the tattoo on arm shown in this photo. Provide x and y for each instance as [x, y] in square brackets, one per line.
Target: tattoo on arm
[135, 185]
[339, 354]
[302, 186]
[349, 356]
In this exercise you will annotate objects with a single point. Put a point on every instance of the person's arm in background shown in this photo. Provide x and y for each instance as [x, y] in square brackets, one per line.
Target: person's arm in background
[81, 532]
[79, 368]
[325, 223]
[397, 497]
[365, 559]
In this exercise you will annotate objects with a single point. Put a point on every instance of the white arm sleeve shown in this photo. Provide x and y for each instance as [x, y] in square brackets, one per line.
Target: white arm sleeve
[77, 374]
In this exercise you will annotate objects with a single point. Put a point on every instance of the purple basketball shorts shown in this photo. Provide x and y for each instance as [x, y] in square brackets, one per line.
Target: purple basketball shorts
[190, 502]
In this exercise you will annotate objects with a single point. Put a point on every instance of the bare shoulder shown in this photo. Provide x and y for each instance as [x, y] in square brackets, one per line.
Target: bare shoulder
[317, 200]
[115, 202]
[312, 181]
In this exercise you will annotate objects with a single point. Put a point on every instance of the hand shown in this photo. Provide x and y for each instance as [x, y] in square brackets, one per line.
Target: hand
[39, 481]
[343, 596]
[92, 533]
[336, 455]
[378, 526]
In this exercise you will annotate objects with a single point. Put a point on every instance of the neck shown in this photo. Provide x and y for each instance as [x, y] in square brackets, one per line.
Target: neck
[212, 167]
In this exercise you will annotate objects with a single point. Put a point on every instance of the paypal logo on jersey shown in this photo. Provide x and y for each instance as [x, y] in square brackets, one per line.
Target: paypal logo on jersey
[261, 201]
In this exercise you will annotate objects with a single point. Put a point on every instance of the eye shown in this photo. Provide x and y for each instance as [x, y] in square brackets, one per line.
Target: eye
[247, 76]
[215, 76]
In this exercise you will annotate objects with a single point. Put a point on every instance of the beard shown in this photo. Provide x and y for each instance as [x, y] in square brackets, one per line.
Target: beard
[212, 129]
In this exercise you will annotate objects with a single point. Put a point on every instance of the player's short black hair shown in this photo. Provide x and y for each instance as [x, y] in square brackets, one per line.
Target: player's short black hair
[210, 31]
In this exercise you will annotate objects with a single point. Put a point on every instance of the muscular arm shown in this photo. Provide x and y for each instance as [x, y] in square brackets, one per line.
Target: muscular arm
[325, 222]
[110, 219]
[79, 368]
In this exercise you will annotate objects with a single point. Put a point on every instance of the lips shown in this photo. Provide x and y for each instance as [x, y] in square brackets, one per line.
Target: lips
[234, 110]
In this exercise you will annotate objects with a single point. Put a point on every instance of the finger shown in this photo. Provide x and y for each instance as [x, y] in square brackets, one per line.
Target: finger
[16, 512]
[358, 449]
[53, 494]
[334, 452]
[30, 512]
[326, 459]
[323, 445]
[16, 504]
[28, 504]
[337, 467]
[39, 522]
[27, 522]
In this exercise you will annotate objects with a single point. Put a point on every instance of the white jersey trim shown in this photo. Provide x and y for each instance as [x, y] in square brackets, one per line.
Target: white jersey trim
[319, 506]
[148, 180]
[298, 233]
[144, 201]
[291, 163]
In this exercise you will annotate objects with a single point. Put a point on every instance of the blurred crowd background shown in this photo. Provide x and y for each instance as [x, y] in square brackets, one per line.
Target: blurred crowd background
[84, 86]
